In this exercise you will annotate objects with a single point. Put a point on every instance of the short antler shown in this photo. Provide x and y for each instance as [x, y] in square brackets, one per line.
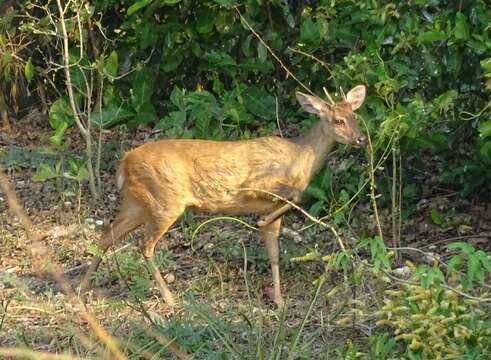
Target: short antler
[342, 93]
[328, 95]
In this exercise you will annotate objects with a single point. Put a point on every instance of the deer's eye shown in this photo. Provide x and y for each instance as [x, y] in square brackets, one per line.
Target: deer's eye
[340, 122]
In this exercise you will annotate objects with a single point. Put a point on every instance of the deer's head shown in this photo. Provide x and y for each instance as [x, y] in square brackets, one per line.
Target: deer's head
[338, 119]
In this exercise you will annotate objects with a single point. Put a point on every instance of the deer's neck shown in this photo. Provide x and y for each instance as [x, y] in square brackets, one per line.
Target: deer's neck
[315, 147]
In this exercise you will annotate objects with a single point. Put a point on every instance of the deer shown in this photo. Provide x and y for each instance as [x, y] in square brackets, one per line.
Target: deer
[160, 179]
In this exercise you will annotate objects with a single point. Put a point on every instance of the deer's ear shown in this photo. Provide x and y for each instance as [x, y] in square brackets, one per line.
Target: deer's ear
[311, 104]
[356, 96]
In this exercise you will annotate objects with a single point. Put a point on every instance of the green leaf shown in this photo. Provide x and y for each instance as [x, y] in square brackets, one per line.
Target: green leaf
[73, 165]
[326, 177]
[258, 102]
[137, 6]
[485, 150]
[110, 116]
[465, 247]
[5, 61]
[246, 46]
[485, 128]
[486, 64]
[221, 60]
[262, 52]
[202, 124]
[95, 251]
[473, 266]
[478, 45]
[435, 276]
[316, 209]
[445, 100]
[205, 22]
[309, 33]
[431, 36]
[83, 173]
[29, 70]
[461, 27]
[256, 66]
[143, 84]
[485, 260]
[174, 119]
[177, 98]
[60, 112]
[79, 73]
[45, 172]
[146, 113]
[224, 22]
[171, 59]
[436, 217]
[111, 64]
[316, 192]
[229, 4]
[454, 263]
[55, 139]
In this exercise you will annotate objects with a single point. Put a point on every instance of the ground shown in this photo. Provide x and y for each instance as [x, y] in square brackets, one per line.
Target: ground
[223, 268]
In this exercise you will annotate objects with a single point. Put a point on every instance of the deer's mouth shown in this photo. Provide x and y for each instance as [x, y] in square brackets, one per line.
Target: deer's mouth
[361, 141]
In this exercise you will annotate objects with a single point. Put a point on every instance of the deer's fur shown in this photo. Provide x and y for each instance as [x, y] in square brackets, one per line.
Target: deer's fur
[159, 180]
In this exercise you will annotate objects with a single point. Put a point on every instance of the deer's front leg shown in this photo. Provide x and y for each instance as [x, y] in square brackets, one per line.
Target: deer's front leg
[268, 219]
[270, 234]
[293, 195]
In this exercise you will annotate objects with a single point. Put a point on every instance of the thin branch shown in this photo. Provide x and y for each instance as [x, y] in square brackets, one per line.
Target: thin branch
[289, 73]
[66, 60]
[277, 117]
[305, 213]
[445, 286]
[84, 130]
[373, 184]
[321, 62]
[429, 255]
[485, 236]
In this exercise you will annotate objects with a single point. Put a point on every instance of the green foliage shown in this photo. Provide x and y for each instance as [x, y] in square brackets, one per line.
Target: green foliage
[318, 191]
[60, 118]
[67, 174]
[378, 252]
[424, 65]
[478, 264]
[429, 276]
[381, 346]
[29, 70]
[129, 266]
[435, 323]
[437, 217]
[204, 335]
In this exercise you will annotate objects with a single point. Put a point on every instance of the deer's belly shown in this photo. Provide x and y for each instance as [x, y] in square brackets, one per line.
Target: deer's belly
[238, 207]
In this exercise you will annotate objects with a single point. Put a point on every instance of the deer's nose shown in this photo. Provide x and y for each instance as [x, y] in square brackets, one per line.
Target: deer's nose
[361, 140]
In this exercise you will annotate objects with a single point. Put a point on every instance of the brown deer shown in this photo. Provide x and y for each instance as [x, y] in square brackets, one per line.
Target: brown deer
[161, 179]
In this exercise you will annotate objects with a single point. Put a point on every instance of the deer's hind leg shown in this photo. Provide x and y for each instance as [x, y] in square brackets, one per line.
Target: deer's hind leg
[130, 217]
[270, 234]
[155, 227]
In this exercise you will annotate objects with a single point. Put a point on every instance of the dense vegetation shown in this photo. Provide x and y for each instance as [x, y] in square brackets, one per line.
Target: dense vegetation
[227, 69]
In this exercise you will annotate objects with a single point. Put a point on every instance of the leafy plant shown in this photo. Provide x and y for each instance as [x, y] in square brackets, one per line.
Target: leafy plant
[478, 264]
[378, 252]
[319, 191]
[131, 269]
[435, 323]
[68, 174]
